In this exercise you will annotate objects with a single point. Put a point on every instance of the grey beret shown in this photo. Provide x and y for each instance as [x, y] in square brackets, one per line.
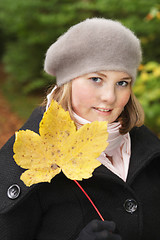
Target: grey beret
[93, 45]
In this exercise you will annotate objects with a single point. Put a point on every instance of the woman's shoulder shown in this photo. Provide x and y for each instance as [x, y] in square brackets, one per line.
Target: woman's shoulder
[33, 121]
[143, 132]
[143, 139]
[12, 189]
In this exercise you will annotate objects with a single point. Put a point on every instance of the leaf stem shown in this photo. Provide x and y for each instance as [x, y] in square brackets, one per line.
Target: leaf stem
[89, 200]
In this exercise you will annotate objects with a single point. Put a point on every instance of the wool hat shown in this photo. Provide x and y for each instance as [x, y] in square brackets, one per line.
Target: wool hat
[93, 45]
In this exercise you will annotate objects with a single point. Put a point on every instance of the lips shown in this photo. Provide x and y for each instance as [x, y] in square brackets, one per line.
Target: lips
[103, 109]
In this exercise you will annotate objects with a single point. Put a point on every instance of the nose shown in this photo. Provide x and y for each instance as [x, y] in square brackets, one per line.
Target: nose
[108, 94]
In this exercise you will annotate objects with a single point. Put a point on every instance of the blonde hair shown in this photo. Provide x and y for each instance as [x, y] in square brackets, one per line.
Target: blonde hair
[131, 116]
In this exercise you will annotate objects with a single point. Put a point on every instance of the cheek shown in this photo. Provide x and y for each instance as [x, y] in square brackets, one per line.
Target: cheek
[81, 95]
[124, 99]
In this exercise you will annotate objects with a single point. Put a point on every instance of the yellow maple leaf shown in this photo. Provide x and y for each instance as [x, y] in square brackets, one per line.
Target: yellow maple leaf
[59, 146]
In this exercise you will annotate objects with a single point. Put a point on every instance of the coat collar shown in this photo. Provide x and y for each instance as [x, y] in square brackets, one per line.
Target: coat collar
[145, 147]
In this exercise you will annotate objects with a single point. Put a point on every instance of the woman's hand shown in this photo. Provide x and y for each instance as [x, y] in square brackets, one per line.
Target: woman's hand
[99, 230]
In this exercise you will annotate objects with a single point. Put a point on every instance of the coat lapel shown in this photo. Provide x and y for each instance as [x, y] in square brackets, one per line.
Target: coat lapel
[145, 147]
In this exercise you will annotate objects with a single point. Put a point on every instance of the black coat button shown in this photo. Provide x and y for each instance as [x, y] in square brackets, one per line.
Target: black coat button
[130, 205]
[13, 191]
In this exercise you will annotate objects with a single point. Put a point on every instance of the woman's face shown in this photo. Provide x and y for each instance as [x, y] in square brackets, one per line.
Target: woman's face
[101, 96]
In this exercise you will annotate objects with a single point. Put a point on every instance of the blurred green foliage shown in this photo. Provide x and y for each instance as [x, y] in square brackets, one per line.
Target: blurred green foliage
[31, 26]
[28, 28]
[147, 90]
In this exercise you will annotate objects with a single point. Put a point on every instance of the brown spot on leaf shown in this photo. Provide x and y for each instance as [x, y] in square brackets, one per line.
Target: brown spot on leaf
[54, 166]
[67, 133]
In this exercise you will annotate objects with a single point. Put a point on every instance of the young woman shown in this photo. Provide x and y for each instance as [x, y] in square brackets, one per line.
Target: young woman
[95, 64]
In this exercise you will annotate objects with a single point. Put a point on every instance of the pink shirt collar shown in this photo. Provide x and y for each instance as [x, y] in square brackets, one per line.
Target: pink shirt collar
[119, 148]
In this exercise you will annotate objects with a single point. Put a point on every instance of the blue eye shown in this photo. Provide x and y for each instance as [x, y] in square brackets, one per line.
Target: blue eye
[122, 83]
[96, 79]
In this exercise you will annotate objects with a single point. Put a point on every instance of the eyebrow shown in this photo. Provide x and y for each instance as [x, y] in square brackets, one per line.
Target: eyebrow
[102, 74]
[127, 78]
[123, 78]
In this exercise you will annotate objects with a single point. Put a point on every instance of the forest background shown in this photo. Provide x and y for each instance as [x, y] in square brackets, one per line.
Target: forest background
[28, 28]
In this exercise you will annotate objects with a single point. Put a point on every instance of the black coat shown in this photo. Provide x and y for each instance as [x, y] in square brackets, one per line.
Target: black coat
[59, 210]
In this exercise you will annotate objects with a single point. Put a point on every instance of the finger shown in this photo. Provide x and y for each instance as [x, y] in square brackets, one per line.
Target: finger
[98, 225]
[103, 235]
[113, 236]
